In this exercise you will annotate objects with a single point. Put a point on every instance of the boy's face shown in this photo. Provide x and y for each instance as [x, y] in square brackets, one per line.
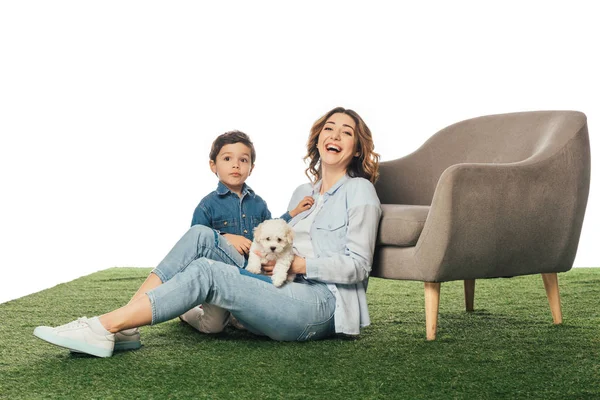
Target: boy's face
[233, 165]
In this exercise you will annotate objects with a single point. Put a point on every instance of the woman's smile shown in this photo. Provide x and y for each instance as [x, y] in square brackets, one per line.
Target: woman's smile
[337, 141]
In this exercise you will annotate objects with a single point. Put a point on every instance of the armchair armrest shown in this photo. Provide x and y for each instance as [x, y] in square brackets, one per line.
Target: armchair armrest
[406, 180]
[495, 220]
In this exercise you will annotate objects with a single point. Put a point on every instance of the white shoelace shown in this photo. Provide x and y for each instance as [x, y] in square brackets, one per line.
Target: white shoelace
[78, 323]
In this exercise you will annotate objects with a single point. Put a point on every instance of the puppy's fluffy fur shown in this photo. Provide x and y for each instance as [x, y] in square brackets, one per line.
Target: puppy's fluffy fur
[273, 239]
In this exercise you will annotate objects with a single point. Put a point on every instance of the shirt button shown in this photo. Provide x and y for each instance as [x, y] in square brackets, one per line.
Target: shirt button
[225, 223]
[245, 231]
[243, 215]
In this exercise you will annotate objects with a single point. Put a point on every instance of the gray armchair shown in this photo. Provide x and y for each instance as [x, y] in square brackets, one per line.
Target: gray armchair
[494, 196]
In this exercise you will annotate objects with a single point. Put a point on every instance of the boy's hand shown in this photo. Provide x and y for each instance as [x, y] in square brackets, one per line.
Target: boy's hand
[305, 204]
[241, 244]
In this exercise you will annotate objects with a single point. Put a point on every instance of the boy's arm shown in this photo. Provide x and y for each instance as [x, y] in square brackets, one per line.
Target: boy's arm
[298, 202]
[286, 217]
[304, 204]
[267, 214]
[201, 216]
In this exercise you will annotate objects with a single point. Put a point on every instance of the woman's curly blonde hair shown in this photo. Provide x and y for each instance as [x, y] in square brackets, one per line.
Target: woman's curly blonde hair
[366, 165]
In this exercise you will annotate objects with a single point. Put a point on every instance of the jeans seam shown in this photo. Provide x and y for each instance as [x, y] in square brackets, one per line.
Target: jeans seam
[152, 306]
[223, 252]
[151, 295]
[288, 297]
[160, 274]
[328, 320]
[200, 250]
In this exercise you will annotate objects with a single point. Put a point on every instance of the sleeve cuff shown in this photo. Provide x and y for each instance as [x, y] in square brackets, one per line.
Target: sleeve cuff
[312, 268]
[286, 217]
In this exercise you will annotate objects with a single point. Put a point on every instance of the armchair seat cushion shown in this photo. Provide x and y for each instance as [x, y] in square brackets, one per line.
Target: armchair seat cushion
[401, 224]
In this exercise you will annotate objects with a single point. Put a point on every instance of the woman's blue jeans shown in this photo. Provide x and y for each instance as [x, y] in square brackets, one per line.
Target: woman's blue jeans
[204, 268]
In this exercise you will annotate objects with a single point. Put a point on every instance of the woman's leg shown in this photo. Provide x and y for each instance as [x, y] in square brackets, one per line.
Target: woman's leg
[135, 314]
[198, 241]
[150, 283]
[296, 311]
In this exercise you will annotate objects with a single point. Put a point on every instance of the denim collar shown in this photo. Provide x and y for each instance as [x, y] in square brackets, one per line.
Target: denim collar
[333, 189]
[223, 190]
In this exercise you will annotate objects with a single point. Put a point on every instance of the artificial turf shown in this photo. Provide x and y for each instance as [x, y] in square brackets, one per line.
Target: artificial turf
[507, 348]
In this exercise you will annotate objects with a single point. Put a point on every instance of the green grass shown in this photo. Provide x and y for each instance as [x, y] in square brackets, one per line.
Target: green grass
[508, 348]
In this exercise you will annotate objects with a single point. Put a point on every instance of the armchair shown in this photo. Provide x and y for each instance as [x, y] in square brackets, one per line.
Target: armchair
[495, 196]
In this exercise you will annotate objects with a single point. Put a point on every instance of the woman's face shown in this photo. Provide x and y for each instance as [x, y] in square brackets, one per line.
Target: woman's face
[337, 142]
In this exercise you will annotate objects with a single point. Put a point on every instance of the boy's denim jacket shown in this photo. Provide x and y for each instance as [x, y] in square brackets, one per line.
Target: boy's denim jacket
[225, 212]
[343, 237]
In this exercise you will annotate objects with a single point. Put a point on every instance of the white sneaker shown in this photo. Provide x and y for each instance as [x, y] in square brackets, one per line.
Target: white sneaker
[193, 317]
[79, 336]
[207, 318]
[236, 324]
[128, 339]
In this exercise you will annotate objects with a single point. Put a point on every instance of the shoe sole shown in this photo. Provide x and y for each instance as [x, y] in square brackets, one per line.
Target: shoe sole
[71, 344]
[121, 346]
[128, 345]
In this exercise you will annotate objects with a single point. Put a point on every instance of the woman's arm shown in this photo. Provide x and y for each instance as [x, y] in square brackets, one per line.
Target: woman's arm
[298, 266]
[353, 265]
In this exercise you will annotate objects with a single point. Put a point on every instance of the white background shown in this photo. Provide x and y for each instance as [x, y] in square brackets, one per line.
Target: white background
[108, 109]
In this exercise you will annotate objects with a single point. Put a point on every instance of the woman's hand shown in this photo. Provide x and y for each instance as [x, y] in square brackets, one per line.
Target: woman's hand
[298, 266]
[240, 243]
[304, 204]
[267, 268]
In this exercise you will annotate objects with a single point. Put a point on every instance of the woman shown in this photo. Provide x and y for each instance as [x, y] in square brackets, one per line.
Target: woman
[335, 240]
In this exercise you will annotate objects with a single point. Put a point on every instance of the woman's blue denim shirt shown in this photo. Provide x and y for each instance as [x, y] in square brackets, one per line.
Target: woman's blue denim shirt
[343, 236]
[225, 212]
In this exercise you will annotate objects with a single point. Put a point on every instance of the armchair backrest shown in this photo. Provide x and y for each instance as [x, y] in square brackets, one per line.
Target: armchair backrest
[524, 137]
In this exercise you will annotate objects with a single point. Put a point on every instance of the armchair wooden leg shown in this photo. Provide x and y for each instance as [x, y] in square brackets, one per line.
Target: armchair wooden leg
[551, 285]
[432, 306]
[469, 294]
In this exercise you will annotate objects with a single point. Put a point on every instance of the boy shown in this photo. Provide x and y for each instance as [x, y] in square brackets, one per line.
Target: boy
[233, 210]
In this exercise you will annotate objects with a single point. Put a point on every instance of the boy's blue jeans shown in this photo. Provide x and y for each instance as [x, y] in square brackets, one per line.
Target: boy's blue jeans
[204, 268]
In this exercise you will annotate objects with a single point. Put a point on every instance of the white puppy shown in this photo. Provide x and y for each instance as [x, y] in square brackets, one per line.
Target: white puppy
[273, 240]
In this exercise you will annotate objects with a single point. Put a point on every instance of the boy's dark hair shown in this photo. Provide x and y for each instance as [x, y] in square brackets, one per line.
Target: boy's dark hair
[231, 137]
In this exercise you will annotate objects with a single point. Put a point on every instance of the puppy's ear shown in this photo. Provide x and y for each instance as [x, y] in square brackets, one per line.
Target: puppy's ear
[289, 234]
[257, 232]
